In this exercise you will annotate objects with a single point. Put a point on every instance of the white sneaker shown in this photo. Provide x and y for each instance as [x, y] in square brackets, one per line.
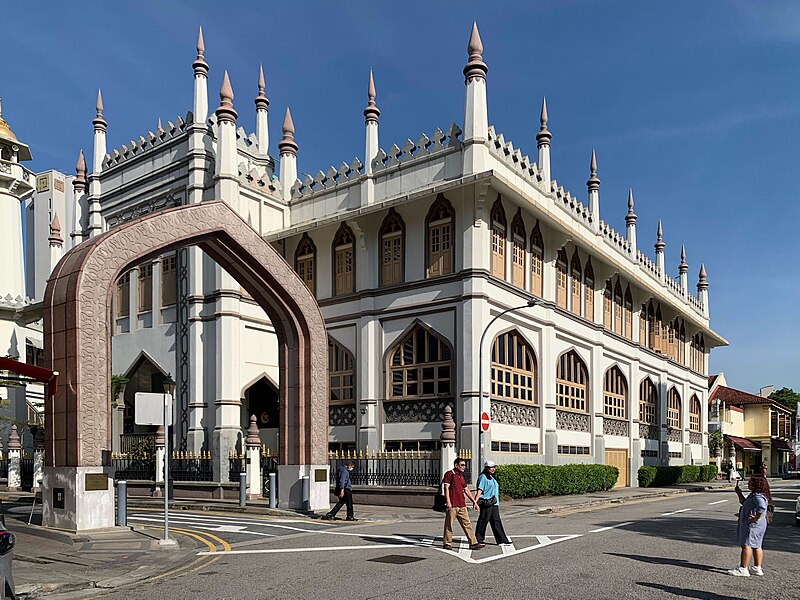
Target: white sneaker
[757, 571]
[739, 572]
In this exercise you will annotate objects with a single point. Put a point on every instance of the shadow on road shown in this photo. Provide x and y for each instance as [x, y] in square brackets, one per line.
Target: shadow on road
[687, 593]
[676, 562]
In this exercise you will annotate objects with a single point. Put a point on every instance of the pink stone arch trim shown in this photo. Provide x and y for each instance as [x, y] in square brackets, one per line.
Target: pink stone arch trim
[77, 329]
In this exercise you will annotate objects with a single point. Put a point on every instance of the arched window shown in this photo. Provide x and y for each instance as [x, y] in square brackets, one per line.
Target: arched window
[694, 414]
[575, 272]
[588, 292]
[671, 346]
[673, 409]
[305, 259]
[615, 394]
[518, 250]
[561, 278]
[537, 260]
[628, 313]
[343, 261]
[608, 303]
[392, 252]
[498, 220]
[440, 224]
[420, 366]
[340, 371]
[682, 344]
[619, 324]
[663, 328]
[648, 402]
[572, 382]
[643, 326]
[701, 367]
[513, 368]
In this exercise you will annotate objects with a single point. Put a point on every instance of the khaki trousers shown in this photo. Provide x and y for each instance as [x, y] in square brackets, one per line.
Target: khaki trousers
[462, 516]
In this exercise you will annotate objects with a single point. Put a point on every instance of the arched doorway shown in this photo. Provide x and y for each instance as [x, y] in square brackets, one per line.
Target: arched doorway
[77, 345]
[262, 400]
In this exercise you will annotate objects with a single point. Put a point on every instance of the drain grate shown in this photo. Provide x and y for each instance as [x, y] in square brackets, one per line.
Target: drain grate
[396, 559]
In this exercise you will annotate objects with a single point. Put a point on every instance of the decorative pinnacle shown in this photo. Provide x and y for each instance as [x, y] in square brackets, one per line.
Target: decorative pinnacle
[99, 122]
[225, 111]
[13, 439]
[475, 68]
[79, 183]
[448, 434]
[262, 102]
[630, 218]
[287, 145]
[659, 245]
[253, 440]
[593, 182]
[543, 137]
[371, 112]
[683, 267]
[55, 238]
[200, 65]
[702, 282]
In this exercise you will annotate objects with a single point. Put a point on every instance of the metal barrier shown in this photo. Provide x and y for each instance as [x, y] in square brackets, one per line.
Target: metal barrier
[129, 468]
[191, 466]
[393, 468]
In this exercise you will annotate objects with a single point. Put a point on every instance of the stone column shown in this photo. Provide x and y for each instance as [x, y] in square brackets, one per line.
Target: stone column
[447, 442]
[253, 444]
[38, 460]
[160, 457]
[14, 466]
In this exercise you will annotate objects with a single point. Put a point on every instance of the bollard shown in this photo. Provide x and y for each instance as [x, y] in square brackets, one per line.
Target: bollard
[242, 489]
[273, 492]
[122, 503]
[306, 493]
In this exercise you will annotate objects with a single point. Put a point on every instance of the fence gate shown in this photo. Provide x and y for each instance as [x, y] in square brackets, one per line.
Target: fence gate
[619, 459]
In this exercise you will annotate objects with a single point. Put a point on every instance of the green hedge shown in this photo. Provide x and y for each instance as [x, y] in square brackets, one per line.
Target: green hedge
[660, 476]
[528, 481]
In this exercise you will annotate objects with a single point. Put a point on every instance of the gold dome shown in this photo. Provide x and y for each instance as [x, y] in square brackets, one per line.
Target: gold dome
[5, 131]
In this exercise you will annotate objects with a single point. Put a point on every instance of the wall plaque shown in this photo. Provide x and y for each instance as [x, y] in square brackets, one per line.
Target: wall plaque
[42, 182]
[96, 482]
[320, 475]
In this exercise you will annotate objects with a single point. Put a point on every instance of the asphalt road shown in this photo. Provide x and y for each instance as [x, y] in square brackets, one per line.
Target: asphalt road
[678, 547]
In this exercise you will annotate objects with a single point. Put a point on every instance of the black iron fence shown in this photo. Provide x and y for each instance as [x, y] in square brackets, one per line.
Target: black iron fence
[236, 464]
[4, 467]
[393, 468]
[191, 466]
[269, 464]
[129, 468]
[137, 442]
[26, 472]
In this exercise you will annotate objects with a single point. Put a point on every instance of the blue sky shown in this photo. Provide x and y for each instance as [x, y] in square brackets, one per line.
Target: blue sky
[695, 105]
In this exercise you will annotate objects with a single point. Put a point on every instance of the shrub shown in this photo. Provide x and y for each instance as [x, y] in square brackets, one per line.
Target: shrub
[647, 475]
[660, 476]
[529, 481]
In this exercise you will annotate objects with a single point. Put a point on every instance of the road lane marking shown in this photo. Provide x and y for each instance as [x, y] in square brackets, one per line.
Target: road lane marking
[318, 549]
[187, 532]
[611, 527]
[675, 512]
[605, 506]
[717, 502]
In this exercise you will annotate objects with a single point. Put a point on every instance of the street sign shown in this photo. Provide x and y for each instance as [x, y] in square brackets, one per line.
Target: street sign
[484, 421]
[149, 408]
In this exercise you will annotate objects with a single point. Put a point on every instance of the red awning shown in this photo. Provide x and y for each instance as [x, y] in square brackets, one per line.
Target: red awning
[781, 445]
[31, 373]
[744, 444]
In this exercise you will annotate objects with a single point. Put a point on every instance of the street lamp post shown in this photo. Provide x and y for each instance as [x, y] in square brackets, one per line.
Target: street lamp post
[483, 451]
[169, 391]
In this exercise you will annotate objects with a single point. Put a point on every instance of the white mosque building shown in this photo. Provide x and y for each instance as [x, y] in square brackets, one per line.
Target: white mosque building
[414, 252]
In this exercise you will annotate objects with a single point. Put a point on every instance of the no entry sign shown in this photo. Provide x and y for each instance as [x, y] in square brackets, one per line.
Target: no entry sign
[484, 421]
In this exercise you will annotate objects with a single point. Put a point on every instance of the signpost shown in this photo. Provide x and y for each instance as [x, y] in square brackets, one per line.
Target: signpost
[156, 409]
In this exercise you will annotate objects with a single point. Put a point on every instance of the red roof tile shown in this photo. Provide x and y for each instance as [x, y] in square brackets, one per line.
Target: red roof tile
[733, 396]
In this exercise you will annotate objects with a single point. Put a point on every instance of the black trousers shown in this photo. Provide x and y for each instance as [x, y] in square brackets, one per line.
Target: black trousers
[347, 499]
[491, 515]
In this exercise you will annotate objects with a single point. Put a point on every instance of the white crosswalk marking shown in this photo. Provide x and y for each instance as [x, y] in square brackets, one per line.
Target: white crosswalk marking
[611, 527]
[717, 502]
[675, 512]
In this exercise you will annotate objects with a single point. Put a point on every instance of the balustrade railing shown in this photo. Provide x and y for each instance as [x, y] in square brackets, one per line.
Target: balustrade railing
[127, 467]
[191, 466]
[393, 468]
[269, 464]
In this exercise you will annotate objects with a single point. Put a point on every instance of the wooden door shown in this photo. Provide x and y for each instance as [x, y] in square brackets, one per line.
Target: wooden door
[619, 459]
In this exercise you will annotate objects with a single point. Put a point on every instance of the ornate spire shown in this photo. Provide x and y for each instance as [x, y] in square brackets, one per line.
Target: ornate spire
[262, 102]
[79, 183]
[99, 122]
[371, 112]
[253, 440]
[13, 439]
[659, 245]
[287, 145]
[683, 267]
[702, 281]
[593, 182]
[630, 218]
[475, 66]
[448, 435]
[55, 238]
[543, 137]
[225, 111]
[200, 65]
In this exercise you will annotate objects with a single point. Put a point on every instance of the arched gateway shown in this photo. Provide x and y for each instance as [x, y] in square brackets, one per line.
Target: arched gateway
[77, 345]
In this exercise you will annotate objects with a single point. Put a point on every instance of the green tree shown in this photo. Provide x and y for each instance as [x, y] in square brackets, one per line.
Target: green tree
[786, 396]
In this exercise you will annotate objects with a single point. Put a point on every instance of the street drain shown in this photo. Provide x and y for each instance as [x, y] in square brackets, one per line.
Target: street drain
[395, 559]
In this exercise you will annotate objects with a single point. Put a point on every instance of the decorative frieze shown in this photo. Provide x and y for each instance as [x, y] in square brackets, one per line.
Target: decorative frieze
[509, 413]
[572, 421]
[675, 435]
[615, 427]
[144, 208]
[648, 432]
[416, 411]
[695, 437]
[341, 415]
